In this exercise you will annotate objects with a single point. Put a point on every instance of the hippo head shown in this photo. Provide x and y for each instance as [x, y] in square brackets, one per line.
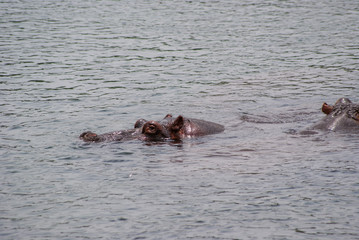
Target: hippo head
[343, 115]
[339, 105]
[154, 131]
[167, 129]
[343, 106]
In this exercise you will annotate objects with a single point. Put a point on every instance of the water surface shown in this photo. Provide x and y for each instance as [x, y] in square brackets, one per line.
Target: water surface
[260, 68]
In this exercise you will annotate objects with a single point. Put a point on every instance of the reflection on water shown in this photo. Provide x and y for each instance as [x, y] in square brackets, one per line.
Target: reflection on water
[262, 69]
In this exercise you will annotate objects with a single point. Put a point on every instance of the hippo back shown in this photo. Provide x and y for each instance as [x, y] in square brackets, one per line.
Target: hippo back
[198, 127]
[337, 123]
[190, 127]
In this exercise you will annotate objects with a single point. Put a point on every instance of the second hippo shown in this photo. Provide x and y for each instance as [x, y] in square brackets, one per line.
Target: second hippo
[343, 115]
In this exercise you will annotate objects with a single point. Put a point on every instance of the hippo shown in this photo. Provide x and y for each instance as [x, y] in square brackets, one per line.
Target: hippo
[342, 116]
[179, 128]
[167, 128]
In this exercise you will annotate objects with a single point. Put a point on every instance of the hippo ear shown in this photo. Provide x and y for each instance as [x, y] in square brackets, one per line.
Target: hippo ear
[326, 108]
[177, 124]
[168, 116]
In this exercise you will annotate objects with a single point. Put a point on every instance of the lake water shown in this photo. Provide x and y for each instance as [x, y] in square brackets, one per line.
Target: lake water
[260, 68]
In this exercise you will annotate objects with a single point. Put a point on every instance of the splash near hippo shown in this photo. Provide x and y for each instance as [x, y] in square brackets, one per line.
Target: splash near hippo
[342, 116]
[168, 128]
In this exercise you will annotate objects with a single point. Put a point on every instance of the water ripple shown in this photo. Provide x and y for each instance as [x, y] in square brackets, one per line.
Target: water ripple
[262, 69]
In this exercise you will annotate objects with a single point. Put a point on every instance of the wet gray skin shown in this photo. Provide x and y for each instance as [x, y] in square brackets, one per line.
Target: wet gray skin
[342, 116]
[123, 135]
[191, 127]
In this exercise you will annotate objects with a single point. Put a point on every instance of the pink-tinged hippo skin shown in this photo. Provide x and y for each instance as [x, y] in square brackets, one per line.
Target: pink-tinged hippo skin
[342, 116]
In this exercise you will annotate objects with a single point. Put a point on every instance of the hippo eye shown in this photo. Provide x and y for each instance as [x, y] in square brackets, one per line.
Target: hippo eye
[151, 129]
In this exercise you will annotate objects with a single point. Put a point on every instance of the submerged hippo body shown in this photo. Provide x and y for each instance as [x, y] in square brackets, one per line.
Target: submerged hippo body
[342, 116]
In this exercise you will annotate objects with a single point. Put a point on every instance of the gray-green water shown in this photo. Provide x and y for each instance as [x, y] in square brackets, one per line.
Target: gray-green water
[260, 68]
